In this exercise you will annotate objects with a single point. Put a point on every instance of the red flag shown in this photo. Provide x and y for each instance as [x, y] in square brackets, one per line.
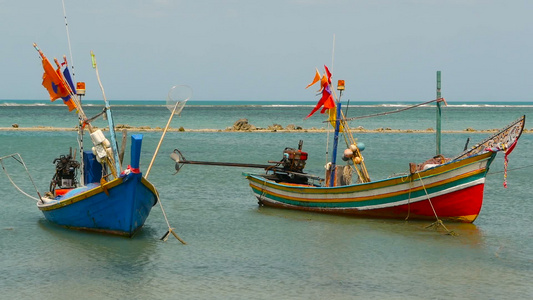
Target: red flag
[326, 100]
[328, 73]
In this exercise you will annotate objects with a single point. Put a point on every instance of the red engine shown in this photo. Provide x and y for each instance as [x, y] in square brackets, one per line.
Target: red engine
[294, 159]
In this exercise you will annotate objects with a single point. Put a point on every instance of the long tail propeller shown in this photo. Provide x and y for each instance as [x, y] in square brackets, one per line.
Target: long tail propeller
[180, 160]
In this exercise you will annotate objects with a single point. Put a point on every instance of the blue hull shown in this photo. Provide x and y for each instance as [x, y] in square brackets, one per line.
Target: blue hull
[119, 207]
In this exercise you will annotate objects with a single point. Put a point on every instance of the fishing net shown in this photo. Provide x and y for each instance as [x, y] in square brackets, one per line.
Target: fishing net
[177, 97]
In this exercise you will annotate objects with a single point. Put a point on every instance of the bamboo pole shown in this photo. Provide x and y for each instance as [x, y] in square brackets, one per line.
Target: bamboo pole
[161, 139]
[111, 124]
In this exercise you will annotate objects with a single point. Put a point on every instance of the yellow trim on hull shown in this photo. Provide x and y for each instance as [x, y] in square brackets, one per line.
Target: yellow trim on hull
[97, 190]
[84, 195]
[260, 185]
[354, 188]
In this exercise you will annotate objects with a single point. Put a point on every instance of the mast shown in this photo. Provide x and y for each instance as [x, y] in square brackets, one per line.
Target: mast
[335, 143]
[111, 124]
[438, 115]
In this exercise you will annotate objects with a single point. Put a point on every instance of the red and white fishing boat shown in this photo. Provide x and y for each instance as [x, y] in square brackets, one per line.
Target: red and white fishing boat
[441, 188]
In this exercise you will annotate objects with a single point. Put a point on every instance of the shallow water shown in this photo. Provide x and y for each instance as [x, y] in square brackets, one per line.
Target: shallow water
[237, 249]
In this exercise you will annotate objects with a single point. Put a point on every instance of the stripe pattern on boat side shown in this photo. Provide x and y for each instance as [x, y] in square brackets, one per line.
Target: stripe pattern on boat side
[385, 202]
[429, 195]
[428, 176]
[389, 195]
[349, 193]
[414, 188]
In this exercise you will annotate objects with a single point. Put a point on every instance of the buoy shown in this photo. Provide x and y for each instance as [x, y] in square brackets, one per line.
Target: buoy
[353, 147]
[348, 153]
[357, 160]
[361, 146]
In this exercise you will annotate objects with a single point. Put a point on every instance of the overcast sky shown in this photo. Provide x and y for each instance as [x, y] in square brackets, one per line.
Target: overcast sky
[385, 50]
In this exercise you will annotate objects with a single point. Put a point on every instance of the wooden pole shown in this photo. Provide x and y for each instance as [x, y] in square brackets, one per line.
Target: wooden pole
[161, 140]
[111, 124]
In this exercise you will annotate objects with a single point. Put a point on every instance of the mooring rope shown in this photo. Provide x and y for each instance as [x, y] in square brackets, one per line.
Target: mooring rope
[438, 222]
[395, 111]
[170, 229]
[513, 169]
[411, 186]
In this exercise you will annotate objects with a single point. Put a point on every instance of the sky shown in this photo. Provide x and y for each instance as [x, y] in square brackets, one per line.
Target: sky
[385, 50]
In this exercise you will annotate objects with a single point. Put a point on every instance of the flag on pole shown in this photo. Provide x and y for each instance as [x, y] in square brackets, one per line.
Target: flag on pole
[315, 80]
[68, 78]
[326, 101]
[68, 99]
[55, 85]
[52, 82]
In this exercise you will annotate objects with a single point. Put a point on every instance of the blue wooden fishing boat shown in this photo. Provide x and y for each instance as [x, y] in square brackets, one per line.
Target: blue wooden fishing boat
[108, 198]
[119, 206]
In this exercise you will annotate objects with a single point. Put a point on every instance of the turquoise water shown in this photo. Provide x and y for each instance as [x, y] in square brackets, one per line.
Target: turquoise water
[222, 114]
[238, 250]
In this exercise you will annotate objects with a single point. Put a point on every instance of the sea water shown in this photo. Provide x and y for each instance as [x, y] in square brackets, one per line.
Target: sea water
[239, 250]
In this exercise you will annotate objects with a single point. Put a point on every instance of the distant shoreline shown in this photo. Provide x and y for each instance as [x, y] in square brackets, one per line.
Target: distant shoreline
[181, 129]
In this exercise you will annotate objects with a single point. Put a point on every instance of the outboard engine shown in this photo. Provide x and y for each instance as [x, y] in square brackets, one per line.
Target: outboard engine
[294, 159]
[66, 173]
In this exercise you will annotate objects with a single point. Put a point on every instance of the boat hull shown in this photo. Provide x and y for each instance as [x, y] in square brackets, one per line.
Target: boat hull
[452, 191]
[118, 207]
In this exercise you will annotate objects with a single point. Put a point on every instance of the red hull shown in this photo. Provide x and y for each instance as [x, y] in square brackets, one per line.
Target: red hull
[460, 206]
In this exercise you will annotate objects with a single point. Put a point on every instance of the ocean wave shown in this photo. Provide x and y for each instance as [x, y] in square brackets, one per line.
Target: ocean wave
[23, 104]
[263, 104]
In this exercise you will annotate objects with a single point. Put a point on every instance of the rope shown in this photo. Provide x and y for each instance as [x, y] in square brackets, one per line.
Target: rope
[170, 229]
[395, 111]
[262, 192]
[514, 169]
[11, 180]
[96, 116]
[411, 186]
[437, 223]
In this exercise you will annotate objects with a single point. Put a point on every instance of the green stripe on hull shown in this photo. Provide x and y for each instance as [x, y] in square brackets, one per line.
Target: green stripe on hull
[335, 203]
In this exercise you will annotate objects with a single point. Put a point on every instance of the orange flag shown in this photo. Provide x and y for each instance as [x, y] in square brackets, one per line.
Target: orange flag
[315, 80]
[53, 82]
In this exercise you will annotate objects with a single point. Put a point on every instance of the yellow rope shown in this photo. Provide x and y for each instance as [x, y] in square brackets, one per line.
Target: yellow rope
[438, 222]
[411, 185]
